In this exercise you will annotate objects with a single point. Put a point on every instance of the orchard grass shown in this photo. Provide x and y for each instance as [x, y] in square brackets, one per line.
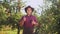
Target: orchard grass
[10, 31]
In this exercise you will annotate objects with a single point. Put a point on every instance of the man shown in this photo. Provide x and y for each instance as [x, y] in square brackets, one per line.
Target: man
[28, 21]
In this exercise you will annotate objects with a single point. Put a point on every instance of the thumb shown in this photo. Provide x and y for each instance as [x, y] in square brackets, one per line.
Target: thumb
[32, 20]
[24, 17]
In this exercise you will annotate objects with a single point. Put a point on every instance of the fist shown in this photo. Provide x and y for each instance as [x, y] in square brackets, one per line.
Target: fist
[33, 22]
[24, 19]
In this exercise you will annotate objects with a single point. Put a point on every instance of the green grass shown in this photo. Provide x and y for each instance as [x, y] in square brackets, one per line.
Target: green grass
[10, 32]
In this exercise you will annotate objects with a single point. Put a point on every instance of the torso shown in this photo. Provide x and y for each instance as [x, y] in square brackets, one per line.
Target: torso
[28, 22]
[28, 27]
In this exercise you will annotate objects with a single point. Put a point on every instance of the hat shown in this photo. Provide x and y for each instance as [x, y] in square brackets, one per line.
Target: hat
[29, 7]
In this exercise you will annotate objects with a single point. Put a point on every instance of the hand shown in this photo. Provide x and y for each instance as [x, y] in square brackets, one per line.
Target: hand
[33, 22]
[24, 19]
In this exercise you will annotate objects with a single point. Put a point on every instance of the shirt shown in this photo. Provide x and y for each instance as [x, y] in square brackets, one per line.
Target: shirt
[28, 22]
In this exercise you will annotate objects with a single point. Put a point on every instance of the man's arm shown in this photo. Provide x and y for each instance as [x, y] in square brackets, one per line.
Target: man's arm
[35, 22]
[23, 19]
[21, 23]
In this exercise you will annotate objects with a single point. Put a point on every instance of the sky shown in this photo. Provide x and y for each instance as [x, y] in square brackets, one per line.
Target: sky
[35, 4]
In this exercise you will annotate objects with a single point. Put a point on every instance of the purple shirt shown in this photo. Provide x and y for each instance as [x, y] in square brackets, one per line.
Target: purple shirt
[28, 27]
[28, 22]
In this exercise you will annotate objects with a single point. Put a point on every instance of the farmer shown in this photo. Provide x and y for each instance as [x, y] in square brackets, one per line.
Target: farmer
[28, 21]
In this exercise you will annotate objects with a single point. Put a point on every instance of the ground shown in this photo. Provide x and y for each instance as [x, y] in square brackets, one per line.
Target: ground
[10, 32]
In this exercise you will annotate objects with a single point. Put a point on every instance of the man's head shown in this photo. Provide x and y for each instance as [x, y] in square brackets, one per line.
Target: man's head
[29, 10]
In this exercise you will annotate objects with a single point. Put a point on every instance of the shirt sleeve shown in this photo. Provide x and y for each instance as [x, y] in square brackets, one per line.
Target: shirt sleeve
[35, 19]
[21, 18]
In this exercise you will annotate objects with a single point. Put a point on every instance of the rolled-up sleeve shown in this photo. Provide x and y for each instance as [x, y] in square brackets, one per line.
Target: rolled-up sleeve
[21, 18]
[35, 19]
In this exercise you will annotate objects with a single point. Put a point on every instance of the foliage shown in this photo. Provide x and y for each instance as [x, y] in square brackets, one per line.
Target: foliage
[8, 18]
[50, 20]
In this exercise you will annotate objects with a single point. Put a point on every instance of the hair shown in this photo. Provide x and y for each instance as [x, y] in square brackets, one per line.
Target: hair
[29, 7]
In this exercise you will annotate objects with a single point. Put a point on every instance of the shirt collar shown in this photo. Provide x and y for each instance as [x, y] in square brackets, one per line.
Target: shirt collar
[29, 16]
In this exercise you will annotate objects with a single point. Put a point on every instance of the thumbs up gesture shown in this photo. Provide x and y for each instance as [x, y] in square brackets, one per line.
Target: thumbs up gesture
[33, 22]
[24, 19]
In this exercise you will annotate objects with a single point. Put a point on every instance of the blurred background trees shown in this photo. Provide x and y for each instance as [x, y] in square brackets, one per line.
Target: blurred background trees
[49, 18]
[10, 14]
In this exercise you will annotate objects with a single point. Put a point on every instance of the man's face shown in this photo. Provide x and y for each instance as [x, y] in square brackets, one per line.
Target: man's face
[29, 11]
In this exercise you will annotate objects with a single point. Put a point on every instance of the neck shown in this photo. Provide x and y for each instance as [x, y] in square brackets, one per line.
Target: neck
[28, 15]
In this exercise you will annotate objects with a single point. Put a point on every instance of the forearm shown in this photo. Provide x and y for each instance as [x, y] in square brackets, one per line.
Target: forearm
[21, 23]
[36, 24]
